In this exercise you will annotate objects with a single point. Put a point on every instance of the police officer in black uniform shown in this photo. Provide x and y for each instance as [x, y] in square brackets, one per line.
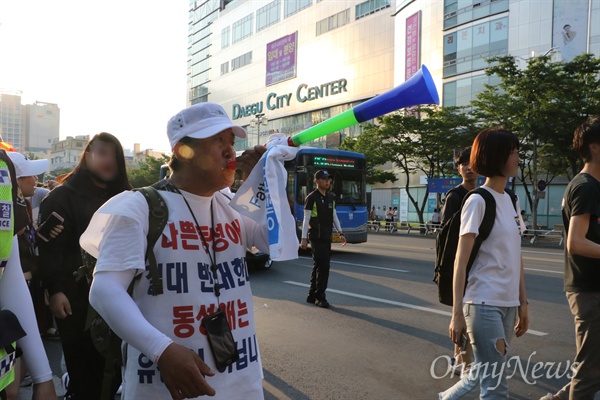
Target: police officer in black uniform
[319, 219]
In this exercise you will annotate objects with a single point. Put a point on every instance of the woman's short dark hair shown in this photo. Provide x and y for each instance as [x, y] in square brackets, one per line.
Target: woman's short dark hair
[174, 162]
[462, 156]
[491, 150]
[586, 134]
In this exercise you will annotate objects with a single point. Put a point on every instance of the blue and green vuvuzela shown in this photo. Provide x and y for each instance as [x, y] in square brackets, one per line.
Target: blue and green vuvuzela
[419, 89]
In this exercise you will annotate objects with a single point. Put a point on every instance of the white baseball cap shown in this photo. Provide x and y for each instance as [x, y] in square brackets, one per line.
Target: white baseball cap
[201, 121]
[26, 167]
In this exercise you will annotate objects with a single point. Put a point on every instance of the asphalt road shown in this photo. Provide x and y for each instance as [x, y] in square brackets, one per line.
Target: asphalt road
[385, 335]
[386, 329]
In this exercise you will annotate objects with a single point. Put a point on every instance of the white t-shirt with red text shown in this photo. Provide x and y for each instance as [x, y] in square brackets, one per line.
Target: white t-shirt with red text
[118, 230]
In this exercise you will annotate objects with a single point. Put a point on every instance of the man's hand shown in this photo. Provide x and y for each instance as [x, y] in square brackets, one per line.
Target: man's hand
[60, 306]
[248, 160]
[304, 244]
[183, 372]
[343, 239]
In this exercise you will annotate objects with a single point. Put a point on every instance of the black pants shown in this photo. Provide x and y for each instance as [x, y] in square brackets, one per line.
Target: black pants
[85, 364]
[321, 253]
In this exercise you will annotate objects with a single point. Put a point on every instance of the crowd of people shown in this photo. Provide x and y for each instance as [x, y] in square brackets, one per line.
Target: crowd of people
[189, 288]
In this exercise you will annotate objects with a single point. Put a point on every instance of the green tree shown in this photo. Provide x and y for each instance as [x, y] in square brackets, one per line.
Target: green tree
[373, 158]
[419, 140]
[543, 104]
[147, 173]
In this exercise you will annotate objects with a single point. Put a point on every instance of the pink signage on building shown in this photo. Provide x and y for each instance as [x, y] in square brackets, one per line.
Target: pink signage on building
[413, 48]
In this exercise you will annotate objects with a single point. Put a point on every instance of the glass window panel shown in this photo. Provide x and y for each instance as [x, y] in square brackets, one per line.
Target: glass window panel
[449, 99]
[481, 10]
[498, 6]
[464, 43]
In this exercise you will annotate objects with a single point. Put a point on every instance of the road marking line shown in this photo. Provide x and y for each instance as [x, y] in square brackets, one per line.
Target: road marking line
[274, 391]
[397, 303]
[544, 270]
[362, 265]
[543, 259]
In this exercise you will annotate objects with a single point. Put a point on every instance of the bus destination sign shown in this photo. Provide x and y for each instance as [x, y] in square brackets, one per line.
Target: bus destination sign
[334, 162]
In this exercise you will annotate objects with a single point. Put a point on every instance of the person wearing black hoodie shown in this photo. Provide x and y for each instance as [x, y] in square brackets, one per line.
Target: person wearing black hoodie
[99, 175]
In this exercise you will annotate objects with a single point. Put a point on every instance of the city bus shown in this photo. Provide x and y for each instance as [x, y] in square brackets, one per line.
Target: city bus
[349, 186]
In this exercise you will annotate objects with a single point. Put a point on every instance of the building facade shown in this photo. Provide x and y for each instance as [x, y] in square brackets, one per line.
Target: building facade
[42, 123]
[11, 118]
[299, 62]
[291, 63]
[30, 128]
[454, 37]
[67, 153]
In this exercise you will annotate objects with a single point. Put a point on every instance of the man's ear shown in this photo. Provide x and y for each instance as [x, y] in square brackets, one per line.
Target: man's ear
[183, 152]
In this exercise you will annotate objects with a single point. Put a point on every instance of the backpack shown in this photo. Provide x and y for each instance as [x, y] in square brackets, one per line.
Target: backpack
[104, 339]
[446, 243]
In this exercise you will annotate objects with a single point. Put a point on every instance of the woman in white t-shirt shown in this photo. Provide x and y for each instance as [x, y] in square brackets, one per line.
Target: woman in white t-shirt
[494, 305]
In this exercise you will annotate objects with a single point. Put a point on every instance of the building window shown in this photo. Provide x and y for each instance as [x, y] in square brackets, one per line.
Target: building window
[242, 28]
[371, 6]
[335, 21]
[225, 68]
[241, 61]
[268, 15]
[225, 37]
[293, 6]
[458, 12]
[461, 92]
[466, 49]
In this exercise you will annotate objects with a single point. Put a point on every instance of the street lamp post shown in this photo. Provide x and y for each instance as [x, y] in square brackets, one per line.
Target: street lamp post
[257, 121]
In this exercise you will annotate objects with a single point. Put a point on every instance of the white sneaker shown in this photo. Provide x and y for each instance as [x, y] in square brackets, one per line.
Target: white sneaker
[65, 381]
[27, 381]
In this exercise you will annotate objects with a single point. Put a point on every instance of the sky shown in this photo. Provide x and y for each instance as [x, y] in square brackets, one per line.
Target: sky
[116, 66]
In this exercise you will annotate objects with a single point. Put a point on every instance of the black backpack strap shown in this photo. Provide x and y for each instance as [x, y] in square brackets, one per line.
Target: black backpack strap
[157, 220]
[490, 213]
[513, 198]
[485, 228]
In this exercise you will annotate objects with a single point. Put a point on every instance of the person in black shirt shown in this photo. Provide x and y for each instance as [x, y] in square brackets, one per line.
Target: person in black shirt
[452, 202]
[99, 175]
[455, 196]
[581, 219]
[319, 217]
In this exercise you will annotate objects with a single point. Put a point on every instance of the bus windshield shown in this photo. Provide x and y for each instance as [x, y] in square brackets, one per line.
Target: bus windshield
[348, 186]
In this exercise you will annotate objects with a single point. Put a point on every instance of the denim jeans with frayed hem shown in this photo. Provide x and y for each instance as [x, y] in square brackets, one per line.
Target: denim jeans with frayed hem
[485, 326]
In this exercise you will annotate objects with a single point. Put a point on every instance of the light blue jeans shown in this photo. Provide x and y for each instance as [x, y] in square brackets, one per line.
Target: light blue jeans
[485, 326]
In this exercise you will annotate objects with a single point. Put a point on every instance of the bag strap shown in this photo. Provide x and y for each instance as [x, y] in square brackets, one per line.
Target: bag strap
[485, 228]
[157, 220]
[513, 198]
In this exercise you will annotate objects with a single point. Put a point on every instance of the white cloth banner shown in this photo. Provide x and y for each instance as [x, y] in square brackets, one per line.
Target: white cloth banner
[263, 198]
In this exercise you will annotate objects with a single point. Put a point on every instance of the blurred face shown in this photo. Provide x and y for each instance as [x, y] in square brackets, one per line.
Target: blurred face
[209, 158]
[27, 185]
[101, 160]
[511, 168]
[466, 172]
